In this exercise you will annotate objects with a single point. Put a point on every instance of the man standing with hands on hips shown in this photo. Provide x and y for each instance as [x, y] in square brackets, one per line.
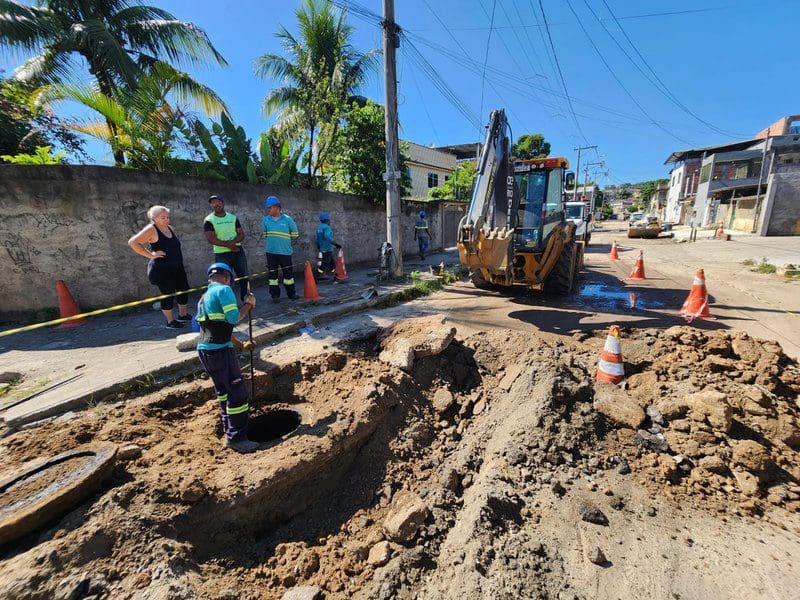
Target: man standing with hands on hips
[224, 232]
[280, 232]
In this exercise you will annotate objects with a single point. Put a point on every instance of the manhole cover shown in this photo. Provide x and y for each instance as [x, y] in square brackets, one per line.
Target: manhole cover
[273, 425]
[46, 488]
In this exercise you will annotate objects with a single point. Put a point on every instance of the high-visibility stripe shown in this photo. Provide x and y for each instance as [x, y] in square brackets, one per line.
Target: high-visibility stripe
[278, 234]
[698, 281]
[611, 368]
[288, 281]
[223, 398]
[215, 316]
[237, 410]
[610, 357]
[294, 234]
[273, 281]
[229, 307]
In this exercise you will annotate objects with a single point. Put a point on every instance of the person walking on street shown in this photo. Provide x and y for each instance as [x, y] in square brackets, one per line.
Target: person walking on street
[165, 269]
[224, 232]
[326, 245]
[280, 232]
[217, 313]
[422, 234]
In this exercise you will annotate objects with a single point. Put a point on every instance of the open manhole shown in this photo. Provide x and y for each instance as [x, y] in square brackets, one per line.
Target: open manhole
[273, 425]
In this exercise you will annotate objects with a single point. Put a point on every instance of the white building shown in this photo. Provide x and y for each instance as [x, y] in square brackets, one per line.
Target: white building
[428, 168]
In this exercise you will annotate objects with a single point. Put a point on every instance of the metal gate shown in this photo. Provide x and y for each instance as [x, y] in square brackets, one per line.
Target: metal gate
[450, 226]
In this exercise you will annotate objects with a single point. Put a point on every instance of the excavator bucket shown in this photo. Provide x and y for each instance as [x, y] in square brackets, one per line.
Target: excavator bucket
[489, 251]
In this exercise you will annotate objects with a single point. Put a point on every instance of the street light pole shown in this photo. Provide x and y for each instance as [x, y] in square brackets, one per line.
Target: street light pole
[391, 41]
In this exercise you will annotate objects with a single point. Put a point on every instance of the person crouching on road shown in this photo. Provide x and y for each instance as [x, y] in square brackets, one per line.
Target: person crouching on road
[422, 234]
[217, 313]
[280, 232]
[326, 245]
[165, 269]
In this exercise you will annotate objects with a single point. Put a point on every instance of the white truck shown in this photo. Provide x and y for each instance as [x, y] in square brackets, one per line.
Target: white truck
[578, 213]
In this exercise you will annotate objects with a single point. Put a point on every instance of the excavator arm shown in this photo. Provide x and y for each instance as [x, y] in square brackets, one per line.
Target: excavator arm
[486, 232]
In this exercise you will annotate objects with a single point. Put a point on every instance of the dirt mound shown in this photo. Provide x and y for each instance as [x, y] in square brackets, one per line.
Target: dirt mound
[483, 470]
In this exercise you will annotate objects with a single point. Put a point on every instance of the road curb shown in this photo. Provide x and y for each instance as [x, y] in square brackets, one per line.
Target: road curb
[187, 365]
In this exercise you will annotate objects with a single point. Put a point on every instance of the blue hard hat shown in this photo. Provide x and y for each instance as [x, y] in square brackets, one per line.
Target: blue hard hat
[218, 268]
[422, 213]
[324, 217]
[272, 201]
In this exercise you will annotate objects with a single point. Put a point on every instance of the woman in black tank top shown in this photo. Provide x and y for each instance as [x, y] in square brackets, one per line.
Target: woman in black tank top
[165, 268]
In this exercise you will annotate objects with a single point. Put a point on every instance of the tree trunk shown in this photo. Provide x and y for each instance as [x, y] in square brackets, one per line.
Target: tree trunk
[310, 154]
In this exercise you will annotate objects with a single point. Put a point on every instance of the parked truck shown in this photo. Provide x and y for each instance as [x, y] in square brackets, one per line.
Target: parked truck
[515, 231]
[578, 213]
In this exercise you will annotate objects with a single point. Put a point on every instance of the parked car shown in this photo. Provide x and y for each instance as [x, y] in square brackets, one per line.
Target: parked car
[643, 226]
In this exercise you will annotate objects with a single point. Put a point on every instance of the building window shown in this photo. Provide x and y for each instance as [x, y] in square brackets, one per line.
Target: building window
[433, 180]
[705, 172]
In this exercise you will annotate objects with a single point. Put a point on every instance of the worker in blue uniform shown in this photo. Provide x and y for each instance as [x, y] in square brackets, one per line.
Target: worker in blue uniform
[280, 232]
[326, 245]
[217, 313]
[422, 234]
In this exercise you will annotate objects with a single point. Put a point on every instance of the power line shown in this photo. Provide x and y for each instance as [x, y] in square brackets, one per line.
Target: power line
[486, 55]
[561, 74]
[660, 85]
[618, 80]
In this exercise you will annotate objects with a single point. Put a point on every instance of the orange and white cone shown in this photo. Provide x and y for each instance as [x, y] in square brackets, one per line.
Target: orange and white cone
[696, 304]
[638, 267]
[610, 367]
[614, 254]
[340, 273]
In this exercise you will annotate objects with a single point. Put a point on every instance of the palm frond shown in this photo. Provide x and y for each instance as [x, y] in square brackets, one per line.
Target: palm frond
[25, 27]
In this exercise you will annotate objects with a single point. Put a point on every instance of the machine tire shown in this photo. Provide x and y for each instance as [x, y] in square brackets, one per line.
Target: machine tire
[477, 279]
[562, 277]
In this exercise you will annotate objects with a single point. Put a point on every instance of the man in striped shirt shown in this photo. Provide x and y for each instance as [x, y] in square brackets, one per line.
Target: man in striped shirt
[280, 232]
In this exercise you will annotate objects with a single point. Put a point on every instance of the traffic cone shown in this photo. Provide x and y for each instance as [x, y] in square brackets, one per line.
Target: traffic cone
[67, 307]
[614, 254]
[340, 273]
[638, 267]
[310, 285]
[610, 367]
[696, 304]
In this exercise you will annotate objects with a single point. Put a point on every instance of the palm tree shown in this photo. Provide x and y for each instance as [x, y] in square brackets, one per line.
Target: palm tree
[119, 40]
[319, 75]
[147, 123]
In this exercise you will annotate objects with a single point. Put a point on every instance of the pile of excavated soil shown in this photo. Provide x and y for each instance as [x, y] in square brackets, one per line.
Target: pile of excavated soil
[490, 467]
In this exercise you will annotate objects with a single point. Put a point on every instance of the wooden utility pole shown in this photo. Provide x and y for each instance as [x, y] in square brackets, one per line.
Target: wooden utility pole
[391, 41]
[578, 171]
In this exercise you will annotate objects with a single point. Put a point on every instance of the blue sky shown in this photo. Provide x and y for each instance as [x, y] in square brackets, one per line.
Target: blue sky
[730, 62]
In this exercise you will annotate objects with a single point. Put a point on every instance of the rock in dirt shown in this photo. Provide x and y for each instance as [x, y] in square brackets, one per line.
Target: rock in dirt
[650, 441]
[407, 340]
[303, 592]
[713, 407]
[592, 514]
[400, 354]
[623, 468]
[747, 482]
[671, 408]
[442, 400]
[597, 557]
[617, 405]
[129, 452]
[752, 456]
[379, 554]
[713, 464]
[406, 516]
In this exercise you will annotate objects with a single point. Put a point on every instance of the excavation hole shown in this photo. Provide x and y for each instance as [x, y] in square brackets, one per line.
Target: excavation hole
[273, 425]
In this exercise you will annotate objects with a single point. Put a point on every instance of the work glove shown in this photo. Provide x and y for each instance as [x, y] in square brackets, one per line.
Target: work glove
[250, 299]
[248, 345]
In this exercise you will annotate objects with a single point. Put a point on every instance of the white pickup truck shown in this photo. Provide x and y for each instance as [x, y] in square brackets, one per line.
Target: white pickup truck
[578, 213]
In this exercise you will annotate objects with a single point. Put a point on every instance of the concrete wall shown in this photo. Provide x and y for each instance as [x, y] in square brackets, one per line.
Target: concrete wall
[73, 223]
[782, 216]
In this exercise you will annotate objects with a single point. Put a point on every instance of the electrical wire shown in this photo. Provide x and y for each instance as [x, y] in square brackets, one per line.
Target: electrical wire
[619, 81]
[486, 56]
[561, 75]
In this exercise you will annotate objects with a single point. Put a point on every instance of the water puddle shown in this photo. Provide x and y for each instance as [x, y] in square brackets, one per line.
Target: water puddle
[603, 297]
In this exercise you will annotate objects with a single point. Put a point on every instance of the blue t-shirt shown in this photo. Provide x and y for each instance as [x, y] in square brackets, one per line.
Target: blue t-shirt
[218, 304]
[325, 237]
[421, 228]
[279, 233]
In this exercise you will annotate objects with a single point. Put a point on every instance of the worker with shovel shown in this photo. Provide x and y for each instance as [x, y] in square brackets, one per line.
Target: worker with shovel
[217, 313]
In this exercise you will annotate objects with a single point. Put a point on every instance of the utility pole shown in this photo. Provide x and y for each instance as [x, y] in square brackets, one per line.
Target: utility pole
[578, 170]
[586, 180]
[391, 41]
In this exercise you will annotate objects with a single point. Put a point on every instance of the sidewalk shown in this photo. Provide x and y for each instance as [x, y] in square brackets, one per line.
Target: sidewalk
[71, 368]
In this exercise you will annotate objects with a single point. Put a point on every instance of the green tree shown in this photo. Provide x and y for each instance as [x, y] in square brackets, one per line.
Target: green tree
[22, 130]
[149, 123]
[648, 188]
[459, 186]
[42, 156]
[360, 158]
[119, 40]
[319, 74]
[530, 145]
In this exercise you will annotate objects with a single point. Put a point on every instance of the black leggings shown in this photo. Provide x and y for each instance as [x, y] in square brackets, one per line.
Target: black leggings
[170, 279]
